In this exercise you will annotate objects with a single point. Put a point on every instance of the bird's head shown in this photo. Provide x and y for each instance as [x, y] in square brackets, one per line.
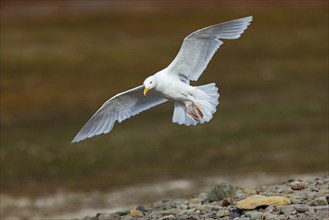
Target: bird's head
[149, 83]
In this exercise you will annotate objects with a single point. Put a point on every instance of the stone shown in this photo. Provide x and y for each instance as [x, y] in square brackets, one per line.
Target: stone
[297, 185]
[136, 213]
[295, 201]
[320, 201]
[241, 218]
[254, 215]
[302, 208]
[248, 190]
[288, 210]
[166, 205]
[271, 216]
[321, 208]
[226, 202]
[221, 191]
[182, 206]
[269, 209]
[196, 200]
[323, 192]
[121, 213]
[90, 218]
[259, 200]
[205, 207]
[168, 217]
[108, 216]
[322, 211]
[141, 208]
[223, 212]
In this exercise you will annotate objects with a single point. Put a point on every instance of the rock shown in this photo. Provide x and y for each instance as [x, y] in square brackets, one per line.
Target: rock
[323, 192]
[269, 209]
[297, 185]
[141, 208]
[248, 190]
[90, 218]
[168, 217]
[302, 208]
[320, 201]
[308, 203]
[295, 200]
[166, 205]
[226, 202]
[288, 210]
[272, 216]
[196, 200]
[259, 200]
[136, 213]
[254, 215]
[182, 206]
[241, 218]
[121, 213]
[108, 216]
[205, 207]
[221, 191]
[223, 212]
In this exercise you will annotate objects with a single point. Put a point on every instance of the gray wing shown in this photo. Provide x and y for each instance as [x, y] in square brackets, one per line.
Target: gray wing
[120, 107]
[199, 47]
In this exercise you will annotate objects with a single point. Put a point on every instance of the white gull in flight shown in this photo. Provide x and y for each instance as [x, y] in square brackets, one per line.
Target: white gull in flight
[193, 104]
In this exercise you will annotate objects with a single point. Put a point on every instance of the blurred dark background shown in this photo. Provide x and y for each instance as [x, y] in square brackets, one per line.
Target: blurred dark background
[60, 60]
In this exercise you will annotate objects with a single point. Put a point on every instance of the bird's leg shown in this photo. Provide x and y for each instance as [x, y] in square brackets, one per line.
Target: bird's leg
[195, 116]
[191, 111]
[198, 110]
[194, 110]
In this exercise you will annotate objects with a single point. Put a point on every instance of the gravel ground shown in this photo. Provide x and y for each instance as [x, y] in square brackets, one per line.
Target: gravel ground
[293, 199]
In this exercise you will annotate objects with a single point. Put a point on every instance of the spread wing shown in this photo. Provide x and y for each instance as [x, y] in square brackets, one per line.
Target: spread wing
[120, 107]
[199, 47]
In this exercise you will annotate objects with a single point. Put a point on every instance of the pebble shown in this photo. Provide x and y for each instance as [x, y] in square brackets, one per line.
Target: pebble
[321, 201]
[297, 185]
[205, 207]
[259, 200]
[241, 218]
[254, 215]
[303, 208]
[288, 210]
[108, 216]
[136, 213]
[222, 191]
[226, 202]
[168, 217]
[248, 190]
[263, 202]
[223, 212]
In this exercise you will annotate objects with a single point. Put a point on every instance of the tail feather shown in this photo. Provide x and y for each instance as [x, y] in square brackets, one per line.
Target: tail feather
[205, 100]
[180, 115]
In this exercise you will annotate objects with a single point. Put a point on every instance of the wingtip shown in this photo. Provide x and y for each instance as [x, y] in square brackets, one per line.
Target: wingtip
[77, 139]
[74, 141]
[249, 18]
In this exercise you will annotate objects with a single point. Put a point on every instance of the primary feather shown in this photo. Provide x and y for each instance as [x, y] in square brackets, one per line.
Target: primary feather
[118, 108]
[199, 47]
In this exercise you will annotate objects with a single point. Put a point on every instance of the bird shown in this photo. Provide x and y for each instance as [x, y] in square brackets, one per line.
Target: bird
[192, 104]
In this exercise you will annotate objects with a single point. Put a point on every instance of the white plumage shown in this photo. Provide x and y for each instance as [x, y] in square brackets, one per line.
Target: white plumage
[193, 105]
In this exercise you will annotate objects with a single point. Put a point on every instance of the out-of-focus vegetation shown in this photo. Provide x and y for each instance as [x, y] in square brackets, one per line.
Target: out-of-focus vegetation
[57, 70]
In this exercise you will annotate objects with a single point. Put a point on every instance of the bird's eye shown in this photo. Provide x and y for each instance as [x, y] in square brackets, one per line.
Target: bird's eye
[150, 82]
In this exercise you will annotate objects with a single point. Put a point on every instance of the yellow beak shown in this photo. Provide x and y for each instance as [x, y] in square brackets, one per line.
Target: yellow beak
[146, 90]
